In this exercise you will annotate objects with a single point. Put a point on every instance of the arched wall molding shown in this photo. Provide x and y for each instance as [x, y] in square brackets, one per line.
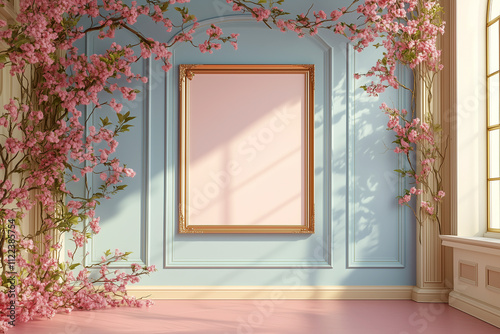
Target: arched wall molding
[173, 260]
[238, 18]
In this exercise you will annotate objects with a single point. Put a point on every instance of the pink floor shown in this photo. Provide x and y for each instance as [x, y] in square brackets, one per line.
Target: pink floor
[264, 317]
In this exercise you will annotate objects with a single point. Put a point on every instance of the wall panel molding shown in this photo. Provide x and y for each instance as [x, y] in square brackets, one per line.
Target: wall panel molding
[492, 278]
[354, 259]
[142, 258]
[322, 251]
[467, 272]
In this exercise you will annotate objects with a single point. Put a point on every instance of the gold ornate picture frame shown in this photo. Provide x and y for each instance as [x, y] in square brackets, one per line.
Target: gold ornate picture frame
[246, 149]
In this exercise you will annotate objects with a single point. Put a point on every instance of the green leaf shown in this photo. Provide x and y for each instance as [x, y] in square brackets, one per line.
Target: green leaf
[125, 128]
[21, 41]
[73, 266]
[105, 121]
[73, 220]
[164, 6]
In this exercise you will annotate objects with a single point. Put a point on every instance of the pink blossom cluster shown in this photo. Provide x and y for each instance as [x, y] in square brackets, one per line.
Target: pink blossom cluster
[215, 34]
[303, 24]
[261, 14]
[409, 133]
[427, 206]
[48, 287]
[409, 193]
[407, 29]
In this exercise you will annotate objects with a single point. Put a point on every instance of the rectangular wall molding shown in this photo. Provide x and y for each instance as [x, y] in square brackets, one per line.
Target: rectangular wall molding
[359, 210]
[177, 255]
[493, 278]
[467, 272]
[143, 103]
[272, 292]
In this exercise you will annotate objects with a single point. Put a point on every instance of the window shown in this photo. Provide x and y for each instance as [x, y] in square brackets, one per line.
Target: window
[493, 113]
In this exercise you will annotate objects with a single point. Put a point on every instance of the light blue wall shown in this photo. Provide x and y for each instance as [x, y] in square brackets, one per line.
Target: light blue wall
[362, 236]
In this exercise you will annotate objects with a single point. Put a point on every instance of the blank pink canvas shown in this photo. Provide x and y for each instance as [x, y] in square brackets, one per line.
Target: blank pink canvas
[245, 149]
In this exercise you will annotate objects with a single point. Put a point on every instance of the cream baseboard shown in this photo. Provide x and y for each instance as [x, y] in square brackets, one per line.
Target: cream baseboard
[272, 292]
[430, 295]
[476, 308]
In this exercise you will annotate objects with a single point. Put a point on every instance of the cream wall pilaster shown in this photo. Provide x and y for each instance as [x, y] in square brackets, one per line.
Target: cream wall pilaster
[447, 98]
[434, 271]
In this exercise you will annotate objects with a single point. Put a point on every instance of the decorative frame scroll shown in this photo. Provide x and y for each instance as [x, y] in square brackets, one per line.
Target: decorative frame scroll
[246, 149]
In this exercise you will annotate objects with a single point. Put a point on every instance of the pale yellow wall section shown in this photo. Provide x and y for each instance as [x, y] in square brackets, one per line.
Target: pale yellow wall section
[9, 87]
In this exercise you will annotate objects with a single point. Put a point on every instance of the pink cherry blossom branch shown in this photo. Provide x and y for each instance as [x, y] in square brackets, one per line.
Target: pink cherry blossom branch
[408, 31]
